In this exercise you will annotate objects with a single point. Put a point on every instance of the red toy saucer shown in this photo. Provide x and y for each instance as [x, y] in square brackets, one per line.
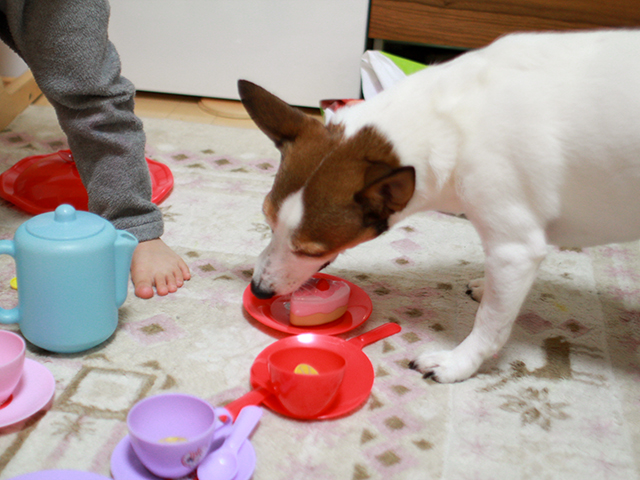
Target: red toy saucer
[40, 183]
[272, 312]
[358, 376]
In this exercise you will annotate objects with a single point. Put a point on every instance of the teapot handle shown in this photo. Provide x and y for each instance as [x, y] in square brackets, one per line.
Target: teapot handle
[124, 246]
[7, 247]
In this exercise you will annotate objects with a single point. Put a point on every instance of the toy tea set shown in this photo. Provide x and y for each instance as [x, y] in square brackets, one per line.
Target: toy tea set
[311, 375]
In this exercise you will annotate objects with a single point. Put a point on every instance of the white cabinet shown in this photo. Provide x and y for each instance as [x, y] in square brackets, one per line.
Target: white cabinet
[302, 50]
[11, 65]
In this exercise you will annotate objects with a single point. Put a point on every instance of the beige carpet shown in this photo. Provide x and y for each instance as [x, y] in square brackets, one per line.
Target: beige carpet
[562, 401]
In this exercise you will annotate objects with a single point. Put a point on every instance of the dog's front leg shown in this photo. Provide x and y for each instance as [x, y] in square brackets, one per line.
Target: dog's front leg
[510, 270]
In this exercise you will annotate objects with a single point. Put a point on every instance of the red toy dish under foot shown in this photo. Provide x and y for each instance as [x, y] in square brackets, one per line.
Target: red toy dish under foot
[41, 183]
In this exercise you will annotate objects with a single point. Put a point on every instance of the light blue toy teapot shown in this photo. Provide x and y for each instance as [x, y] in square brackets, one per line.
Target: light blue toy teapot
[73, 271]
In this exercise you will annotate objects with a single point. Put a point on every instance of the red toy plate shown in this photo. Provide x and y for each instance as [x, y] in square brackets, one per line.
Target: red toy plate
[41, 183]
[273, 313]
[356, 384]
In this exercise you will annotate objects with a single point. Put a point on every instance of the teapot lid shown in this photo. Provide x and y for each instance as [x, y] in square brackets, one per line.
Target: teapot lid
[65, 224]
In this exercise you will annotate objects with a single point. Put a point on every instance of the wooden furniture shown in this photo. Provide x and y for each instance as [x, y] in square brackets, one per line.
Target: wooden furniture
[16, 95]
[474, 23]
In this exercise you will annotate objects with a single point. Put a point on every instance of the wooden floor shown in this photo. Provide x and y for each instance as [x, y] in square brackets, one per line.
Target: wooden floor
[192, 109]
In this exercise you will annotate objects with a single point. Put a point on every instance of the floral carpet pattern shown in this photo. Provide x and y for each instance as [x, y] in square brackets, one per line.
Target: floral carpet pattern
[561, 401]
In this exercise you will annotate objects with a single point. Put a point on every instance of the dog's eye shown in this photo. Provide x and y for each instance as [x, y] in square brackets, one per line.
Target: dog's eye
[309, 249]
[301, 253]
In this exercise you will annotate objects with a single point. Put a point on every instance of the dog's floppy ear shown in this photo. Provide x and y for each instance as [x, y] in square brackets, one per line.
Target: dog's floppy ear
[389, 193]
[277, 119]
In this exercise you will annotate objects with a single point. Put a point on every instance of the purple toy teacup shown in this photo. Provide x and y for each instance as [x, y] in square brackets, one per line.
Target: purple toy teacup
[171, 433]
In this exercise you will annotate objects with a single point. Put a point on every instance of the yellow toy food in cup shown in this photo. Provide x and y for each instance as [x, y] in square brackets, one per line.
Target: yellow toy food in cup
[173, 440]
[304, 369]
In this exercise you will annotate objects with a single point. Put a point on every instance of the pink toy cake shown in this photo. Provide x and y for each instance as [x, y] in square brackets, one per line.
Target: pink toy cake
[319, 301]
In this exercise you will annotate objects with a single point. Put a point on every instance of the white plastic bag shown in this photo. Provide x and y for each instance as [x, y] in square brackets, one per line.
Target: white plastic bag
[380, 70]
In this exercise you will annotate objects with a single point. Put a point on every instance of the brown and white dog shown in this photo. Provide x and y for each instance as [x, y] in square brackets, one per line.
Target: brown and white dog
[535, 138]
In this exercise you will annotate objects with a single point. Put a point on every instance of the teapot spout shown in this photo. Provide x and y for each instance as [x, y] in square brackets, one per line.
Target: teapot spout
[124, 246]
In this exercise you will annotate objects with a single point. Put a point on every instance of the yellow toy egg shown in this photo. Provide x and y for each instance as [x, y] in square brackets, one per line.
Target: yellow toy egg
[14, 283]
[304, 369]
[173, 440]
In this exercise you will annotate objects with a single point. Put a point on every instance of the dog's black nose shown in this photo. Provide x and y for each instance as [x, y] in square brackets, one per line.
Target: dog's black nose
[260, 292]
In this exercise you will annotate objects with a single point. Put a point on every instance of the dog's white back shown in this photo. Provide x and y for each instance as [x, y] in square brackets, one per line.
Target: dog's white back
[542, 125]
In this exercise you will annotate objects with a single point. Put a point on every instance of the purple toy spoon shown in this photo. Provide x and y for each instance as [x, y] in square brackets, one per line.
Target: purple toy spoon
[223, 463]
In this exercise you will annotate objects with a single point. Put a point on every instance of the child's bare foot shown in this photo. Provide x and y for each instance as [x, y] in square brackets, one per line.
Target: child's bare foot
[154, 264]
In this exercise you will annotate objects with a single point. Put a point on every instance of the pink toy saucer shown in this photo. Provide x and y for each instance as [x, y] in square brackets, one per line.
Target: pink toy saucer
[40, 183]
[126, 466]
[34, 391]
[273, 312]
[60, 475]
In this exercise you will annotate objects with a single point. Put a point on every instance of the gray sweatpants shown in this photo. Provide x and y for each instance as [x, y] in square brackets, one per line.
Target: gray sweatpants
[66, 46]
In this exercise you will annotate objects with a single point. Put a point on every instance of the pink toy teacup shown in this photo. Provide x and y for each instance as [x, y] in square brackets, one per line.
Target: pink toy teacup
[306, 380]
[172, 433]
[12, 354]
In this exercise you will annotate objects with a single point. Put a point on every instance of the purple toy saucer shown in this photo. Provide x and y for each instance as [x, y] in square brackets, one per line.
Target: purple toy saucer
[126, 466]
[60, 474]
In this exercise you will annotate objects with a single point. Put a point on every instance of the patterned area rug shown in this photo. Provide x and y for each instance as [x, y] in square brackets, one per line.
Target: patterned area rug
[562, 401]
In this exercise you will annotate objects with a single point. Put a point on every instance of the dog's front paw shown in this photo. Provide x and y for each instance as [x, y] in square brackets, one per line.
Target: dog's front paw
[475, 289]
[445, 366]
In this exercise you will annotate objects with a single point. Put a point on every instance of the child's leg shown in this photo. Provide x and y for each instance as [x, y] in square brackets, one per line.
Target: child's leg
[66, 46]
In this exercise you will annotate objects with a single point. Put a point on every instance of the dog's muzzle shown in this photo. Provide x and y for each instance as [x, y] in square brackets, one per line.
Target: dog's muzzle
[261, 292]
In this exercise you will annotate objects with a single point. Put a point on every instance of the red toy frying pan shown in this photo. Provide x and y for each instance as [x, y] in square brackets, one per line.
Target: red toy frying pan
[355, 387]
